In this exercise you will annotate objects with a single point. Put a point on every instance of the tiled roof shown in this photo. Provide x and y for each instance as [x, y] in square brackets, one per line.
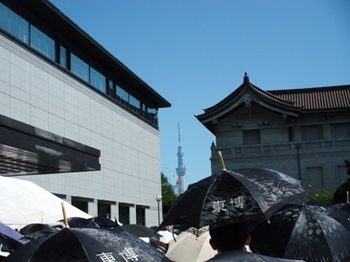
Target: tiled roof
[321, 98]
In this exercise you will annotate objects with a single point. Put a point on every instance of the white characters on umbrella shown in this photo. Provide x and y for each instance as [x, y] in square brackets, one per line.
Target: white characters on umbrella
[218, 205]
[106, 257]
[129, 254]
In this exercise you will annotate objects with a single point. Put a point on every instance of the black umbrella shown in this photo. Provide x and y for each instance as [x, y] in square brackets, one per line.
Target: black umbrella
[91, 222]
[341, 213]
[88, 244]
[105, 221]
[35, 227]
[138, 230]
[242, 256]
[81, 222]
[303, 232]
[37, 231]
[233, 196]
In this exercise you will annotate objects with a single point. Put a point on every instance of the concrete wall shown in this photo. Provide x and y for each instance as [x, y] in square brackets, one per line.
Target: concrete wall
[39, 94]
[318, 162]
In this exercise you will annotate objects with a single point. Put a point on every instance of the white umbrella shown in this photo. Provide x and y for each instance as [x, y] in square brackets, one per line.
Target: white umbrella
[191, 246]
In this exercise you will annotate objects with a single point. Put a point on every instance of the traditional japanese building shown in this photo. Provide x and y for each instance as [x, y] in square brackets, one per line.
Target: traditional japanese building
[301, 132]
[73, 118]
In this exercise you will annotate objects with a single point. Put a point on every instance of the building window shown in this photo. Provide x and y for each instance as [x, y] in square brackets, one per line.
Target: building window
[342, 176]
[110, 90]
[63, 56]
[82, 205]
[14, 24]
[79, 67]
[124, 215]
[25, 31]
[341, 130]
[290, 134]
[152, 115]
[140, 216]
[122, 95]
[97, 80]
[311, 133]
[251, 137]
[42, 43]
[104, 209]
[315, 178]
[135, 104]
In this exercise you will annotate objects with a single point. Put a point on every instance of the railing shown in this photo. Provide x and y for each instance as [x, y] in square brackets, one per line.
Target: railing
[290, 147]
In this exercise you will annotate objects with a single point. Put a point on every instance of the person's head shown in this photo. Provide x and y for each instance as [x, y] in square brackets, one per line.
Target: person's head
[229, 237]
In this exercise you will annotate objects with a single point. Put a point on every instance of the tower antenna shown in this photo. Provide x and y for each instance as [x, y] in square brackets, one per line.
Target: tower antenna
[181, 168]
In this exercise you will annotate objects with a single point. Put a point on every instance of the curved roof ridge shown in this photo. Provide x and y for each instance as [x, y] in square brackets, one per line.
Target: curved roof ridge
[248, 87]
[271, 96]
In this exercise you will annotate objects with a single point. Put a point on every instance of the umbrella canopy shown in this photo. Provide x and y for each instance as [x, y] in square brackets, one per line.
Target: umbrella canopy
[8, 232]
[10, 240]
[87, 244]
[191, 245]
[138, 230]
[81, 222]
[105, 221]
[303, 232]
[37, 231]
[242, 256]
[35, 227]
[341, 213]
[23, 202]
[240, 195]
[166, 236]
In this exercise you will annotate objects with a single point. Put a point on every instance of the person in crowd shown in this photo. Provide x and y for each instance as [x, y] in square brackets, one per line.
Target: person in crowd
[230, 241]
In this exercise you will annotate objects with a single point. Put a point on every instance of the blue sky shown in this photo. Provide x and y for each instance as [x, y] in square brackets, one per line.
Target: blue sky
[195, 52]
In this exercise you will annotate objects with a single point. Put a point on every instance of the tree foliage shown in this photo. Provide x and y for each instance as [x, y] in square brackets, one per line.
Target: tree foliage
[340, 193]
[168, 195]
[322, 197]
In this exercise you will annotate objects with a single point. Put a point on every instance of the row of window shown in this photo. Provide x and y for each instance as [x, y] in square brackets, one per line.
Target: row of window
[27, 33]
[309, 133]
[104, 210]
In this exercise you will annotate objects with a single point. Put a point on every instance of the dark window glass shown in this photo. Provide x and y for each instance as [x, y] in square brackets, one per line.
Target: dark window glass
[63, 56]
[311, 133]
[82, 205]
[143, 110]
[97, 80]
[290, 134]
[110, 90]
[124, 216]
[341, 130]
[4, 17]
[42, 43]
[79, 67]
[104, 210]
[140, 216]
[122, 95]
[251, 137]
[14, 24]
[134, 104]
[152, 115]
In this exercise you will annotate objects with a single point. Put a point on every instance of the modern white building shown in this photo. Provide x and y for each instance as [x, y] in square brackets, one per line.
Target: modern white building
[304, 132]
[73, 118]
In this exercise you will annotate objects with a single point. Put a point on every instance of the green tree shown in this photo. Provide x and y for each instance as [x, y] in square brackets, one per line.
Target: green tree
[341, 192]
[168, 195]
[323, 197]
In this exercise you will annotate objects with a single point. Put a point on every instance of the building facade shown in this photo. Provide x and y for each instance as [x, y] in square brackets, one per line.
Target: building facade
[75, 120]
[304, 133]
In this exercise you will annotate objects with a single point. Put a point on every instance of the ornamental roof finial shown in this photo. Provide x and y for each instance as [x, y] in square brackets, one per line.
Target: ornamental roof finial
[246, 78]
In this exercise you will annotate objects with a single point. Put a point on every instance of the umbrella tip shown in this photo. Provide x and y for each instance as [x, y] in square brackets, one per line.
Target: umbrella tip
[222, 161]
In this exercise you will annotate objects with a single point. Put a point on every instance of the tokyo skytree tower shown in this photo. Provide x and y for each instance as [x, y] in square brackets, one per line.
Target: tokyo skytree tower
[181, 169]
